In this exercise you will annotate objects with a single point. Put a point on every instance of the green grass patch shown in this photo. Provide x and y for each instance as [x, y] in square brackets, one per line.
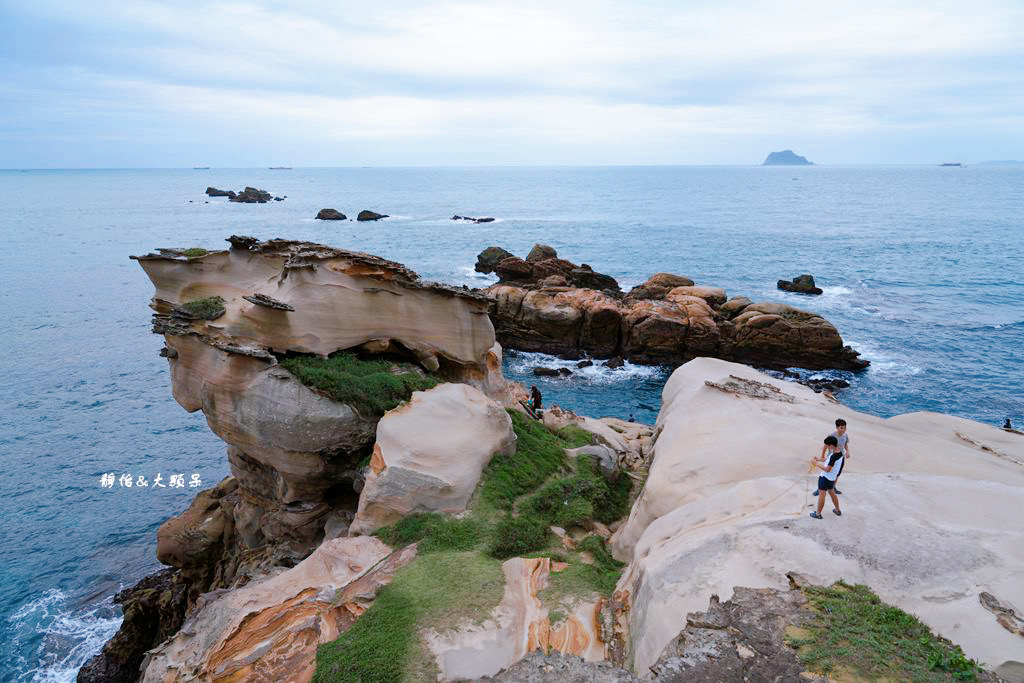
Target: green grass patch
[195, 252]
[438, 590]
[857, 632]
[207, 308]
[514, 536]
[435, 532]
[584, 580]
[372, 387]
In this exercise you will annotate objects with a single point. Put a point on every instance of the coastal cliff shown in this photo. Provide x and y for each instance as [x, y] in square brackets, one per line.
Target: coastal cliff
[393, 513]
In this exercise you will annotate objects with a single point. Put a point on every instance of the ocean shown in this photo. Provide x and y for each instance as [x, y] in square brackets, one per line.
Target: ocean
[922, 270]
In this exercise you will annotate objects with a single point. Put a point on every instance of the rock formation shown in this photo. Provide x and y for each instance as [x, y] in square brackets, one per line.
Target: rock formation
[470, 219]
[331, 215]
[550, 305]
[367, 215]
[419, 467]
[786, 158]
[269, 630]
[294, 451]
[925, 523]
[214, 192]
[801, 284]
[251, 195]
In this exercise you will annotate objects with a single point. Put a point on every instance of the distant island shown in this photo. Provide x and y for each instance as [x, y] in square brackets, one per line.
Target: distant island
[786, 158]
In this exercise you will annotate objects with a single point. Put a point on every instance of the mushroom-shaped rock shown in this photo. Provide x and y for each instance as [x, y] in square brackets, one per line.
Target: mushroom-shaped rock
[802, 284]
[366, 215]
[488, 259]
[430, 453]
[331, 215]
[541, 252]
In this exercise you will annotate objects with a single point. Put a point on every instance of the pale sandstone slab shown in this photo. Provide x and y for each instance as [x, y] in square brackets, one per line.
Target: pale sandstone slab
[928, 517]
[430, 453]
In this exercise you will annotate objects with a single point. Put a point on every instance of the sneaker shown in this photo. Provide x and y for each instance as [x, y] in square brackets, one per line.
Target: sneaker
[838, 492]
[815, 492]
[838, 512]
[815, 515]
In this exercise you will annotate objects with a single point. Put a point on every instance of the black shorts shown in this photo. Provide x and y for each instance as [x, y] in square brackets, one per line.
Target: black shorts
[825, 484]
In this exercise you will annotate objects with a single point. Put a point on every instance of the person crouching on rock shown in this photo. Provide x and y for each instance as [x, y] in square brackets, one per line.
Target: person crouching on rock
[827, 481]
[535, 403]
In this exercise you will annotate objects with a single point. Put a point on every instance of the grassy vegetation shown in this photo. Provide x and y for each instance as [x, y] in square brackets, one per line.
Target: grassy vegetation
[857, 632]
[207, 308]
[539, 454]
[457, 573]
[195, 252]
[438, 590]
[373, 387]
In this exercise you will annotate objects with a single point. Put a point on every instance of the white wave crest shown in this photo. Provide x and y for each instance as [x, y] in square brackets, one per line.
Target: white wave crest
[523, 363]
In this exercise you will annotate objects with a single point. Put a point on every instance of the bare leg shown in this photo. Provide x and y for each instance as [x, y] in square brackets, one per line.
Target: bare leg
[835, 500]
[821, 500]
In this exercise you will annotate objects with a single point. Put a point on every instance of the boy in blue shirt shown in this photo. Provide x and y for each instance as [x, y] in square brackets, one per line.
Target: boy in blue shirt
[827, 481]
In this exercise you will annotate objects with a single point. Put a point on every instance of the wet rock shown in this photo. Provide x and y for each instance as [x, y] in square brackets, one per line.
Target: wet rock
[802, 284]
[552, 372]
[331, 215]
[484, 219]
[366, 215]
[489, 258]
[615, 363]
[251, 195]
[585, 363]
[214, 192]
[541, 252]
[279, 199]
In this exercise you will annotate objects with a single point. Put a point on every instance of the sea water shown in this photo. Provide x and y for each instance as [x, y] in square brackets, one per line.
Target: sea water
[922, 270]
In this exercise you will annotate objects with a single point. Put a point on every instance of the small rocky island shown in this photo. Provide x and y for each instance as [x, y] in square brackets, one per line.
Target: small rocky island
[786, 158]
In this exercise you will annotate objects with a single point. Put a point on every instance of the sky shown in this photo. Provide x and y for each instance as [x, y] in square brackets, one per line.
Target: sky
[138, 83]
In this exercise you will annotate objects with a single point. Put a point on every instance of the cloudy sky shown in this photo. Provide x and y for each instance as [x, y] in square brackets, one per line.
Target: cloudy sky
[137, 83]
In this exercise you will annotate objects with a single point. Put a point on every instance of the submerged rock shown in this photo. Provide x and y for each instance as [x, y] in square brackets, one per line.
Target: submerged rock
[484, 219]
[366, 215]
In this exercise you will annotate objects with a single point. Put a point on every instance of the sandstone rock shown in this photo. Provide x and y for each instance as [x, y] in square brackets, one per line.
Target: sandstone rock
[367, 215]
[541, 252]
[554, 281]
[520, 625]
[658, 285]
[766, 333]
[728, 487]
[513, 268]
[214, 192]
[269, 630]
[430, 453]
[802, 284]
[489, 258]
[733, 307]
[250, 195]
[331, 215]
[585, 277]
[607, 458]
[714, 296]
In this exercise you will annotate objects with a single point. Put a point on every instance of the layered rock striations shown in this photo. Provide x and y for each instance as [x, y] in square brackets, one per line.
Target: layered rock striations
[295, 451]
[926, 504]
[552, 306]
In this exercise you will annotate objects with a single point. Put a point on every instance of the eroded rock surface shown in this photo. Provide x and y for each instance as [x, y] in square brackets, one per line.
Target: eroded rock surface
[547, 304]
[429, 454]
[725, 504]
[269, 630]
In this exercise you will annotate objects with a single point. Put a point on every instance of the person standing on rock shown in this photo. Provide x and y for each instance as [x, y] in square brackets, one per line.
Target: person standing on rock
[827, 481]
[535, 403]
[844, 445]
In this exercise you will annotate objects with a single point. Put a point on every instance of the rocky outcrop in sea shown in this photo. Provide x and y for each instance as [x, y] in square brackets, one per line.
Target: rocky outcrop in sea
[544, 303]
